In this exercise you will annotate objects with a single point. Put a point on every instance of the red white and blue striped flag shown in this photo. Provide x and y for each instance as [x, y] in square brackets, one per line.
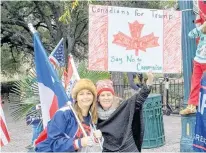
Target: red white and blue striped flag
[4, 135]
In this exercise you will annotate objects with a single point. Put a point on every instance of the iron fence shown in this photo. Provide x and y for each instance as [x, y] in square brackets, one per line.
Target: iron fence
[171, 91]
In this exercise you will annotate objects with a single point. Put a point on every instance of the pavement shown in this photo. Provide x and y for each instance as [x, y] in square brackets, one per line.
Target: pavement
[21, 134]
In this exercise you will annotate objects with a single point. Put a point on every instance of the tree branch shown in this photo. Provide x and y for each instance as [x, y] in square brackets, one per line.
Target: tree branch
[47, 21]
[12, 54]
[75, 30]
[16, 22]
[81, 31]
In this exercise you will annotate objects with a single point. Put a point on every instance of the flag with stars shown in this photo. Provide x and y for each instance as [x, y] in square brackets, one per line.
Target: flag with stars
[57, 56]
[51, 92]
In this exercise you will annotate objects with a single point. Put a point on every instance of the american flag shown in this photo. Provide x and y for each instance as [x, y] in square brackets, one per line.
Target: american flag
[4, 135]
[57, 56]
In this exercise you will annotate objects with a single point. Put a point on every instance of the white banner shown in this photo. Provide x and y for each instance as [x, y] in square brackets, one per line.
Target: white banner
[134, 40]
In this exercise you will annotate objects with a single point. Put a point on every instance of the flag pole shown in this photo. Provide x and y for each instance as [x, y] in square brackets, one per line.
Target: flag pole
[33, 30]
[74, 68]
[78, 121]
[84, 133]
[99, 141]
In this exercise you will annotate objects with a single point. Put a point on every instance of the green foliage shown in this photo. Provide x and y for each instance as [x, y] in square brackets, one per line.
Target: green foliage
[66, 17]
[8, 63]
[126, 81]
[72, 7]
[168, 4]
[92, 75]
[26, 97]
[134, 4]
[13, 63]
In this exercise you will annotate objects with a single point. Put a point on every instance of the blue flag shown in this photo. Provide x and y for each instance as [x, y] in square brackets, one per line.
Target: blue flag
[199, 143]
[51, 91]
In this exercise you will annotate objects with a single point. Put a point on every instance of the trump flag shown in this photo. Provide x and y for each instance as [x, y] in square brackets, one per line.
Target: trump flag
[199, 143]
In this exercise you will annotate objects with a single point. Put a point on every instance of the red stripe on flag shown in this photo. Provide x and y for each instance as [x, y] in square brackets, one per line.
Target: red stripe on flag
[70, 69]
[53, 62]
[204, 87]
[200, 147]
[52, 110]
[65, 79]
[69, 72]
[4, 129]
[54, 106]
[41, 137]
[1, 143]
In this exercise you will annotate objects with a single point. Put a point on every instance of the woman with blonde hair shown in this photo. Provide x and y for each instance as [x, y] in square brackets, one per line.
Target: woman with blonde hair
[64, 133]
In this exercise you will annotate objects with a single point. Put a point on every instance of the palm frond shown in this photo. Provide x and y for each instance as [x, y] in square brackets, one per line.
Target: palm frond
[25, 97]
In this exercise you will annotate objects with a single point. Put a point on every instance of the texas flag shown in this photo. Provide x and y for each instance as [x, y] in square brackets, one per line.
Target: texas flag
[51, 92]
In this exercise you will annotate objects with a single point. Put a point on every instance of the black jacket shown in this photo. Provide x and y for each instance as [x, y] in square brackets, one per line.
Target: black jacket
[123, 131]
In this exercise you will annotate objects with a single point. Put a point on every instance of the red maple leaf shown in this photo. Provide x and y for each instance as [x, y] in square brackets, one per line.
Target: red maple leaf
[136, 42]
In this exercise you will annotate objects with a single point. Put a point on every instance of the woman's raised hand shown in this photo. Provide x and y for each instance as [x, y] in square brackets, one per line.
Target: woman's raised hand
[150, 78]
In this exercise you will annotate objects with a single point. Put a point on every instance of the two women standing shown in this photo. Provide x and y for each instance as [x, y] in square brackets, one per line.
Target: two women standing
[120, 123]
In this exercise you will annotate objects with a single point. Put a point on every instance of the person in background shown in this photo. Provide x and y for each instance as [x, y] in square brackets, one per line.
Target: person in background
[35, 120]
[199, 66]
[135, 81]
